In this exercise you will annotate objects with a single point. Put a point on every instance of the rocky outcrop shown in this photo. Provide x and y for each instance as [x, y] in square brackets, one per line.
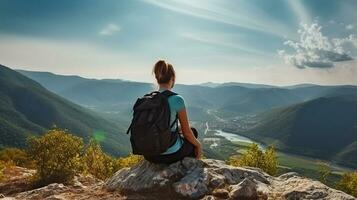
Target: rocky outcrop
[213, 179]
[15, 180]
[187, 179]
[16, 185]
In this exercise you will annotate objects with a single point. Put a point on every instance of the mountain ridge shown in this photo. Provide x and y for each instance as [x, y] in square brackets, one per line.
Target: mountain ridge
[325, 126]
[30, 109]
[238, 99]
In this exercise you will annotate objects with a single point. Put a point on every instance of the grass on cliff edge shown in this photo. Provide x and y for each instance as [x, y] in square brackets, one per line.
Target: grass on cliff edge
[59, 155]
[287, 162]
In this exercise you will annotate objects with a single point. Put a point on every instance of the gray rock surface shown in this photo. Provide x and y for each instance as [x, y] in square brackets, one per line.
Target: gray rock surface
[213, 179]
[247, 189]
[84, 187]
[51, 191]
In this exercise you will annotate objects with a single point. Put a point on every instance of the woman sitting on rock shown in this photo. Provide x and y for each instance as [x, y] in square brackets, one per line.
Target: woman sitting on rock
[183, 141]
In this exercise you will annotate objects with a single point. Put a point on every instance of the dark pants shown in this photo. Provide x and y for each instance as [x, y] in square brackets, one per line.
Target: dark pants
[187, 150]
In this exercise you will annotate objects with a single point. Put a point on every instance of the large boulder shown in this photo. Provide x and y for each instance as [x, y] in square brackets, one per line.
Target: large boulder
[213, 179]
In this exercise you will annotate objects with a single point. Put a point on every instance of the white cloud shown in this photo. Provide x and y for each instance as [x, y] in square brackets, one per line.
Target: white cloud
[340, 42]
[110, 29]
[315, 50]
[349, 27]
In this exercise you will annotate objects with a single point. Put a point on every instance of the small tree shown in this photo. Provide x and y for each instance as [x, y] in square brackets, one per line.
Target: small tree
[57, 156]
[348, 183]
[324, 171]
[97, 162]
[15, 156]
[101, 165]
[254, 157]
[270, 161]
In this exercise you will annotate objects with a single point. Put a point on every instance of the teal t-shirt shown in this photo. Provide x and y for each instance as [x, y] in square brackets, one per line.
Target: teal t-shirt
[176, 103]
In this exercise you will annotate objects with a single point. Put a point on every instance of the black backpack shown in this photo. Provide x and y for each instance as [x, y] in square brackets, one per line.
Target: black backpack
[150, 127]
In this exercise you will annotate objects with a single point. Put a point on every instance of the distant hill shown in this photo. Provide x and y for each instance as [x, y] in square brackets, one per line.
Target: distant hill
[54, 82]
[325, 127]
[209, 84]
[303, 85]
[229, 99]
[27, 108]
[104, 95]
[247, 85]
[256, 100]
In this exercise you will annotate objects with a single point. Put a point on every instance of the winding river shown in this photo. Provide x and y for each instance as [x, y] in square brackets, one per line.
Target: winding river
[238, 138]
[234, 137]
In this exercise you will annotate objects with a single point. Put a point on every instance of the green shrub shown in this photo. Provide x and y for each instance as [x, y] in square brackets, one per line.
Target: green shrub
[254, 157]
[128, 161]
[270, 161]
[348, 183]
[56, 155]
[324, 170]
[16, 157]
[2, 166]
[101, 165]
[96, 162]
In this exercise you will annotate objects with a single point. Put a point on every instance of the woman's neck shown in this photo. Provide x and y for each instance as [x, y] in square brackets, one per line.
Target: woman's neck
[164, 87]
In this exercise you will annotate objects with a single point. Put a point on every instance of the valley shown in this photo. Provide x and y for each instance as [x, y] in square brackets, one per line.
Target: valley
[224, 136]
[229, 144]
[297, 120]
[29, 109]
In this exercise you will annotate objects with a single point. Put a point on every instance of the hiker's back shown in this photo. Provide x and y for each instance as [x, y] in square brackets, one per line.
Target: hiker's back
[154, 128]
[152, 124]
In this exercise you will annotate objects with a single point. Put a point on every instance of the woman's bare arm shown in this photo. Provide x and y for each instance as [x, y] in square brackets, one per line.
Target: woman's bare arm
[187, 132]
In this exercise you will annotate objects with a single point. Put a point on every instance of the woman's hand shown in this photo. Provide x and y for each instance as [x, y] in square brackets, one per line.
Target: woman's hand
[198, 151]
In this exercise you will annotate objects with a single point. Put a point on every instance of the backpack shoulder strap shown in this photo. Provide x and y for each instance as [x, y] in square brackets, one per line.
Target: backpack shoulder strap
[168, 93]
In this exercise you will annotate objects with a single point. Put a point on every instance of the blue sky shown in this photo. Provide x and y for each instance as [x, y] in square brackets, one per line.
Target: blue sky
[206, 40]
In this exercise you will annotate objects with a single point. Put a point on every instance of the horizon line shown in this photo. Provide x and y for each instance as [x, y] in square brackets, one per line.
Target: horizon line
[196, 84]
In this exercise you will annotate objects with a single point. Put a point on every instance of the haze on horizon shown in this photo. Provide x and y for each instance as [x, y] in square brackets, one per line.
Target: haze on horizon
[207, 41]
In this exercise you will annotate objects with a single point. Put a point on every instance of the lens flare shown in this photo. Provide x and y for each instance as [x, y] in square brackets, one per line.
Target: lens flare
[99, 136]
